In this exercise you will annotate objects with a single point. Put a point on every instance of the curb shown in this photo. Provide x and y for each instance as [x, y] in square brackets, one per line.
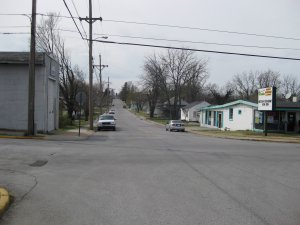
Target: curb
[21, 137]
[247, 138]
[4, 200]
[229, 137]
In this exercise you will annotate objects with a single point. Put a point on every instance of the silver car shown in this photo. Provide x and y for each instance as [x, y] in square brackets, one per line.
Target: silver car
[177, 125]
[106, 121]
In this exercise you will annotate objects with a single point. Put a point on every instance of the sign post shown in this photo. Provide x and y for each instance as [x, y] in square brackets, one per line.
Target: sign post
[80, 99]
[266, 102]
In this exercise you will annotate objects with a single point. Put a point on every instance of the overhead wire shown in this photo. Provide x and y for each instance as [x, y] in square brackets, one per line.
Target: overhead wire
[14, 33]
[180, 48]
[172, 26]
[13, 26]
[102, 47]
[201, 42]
[73, 19]
[174, 40]
[79, 17]
[197, 50]
[202, 29]
[187, 41]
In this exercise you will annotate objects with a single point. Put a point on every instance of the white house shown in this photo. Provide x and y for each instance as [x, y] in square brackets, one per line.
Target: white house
[190, 112]
[14, 72]
[237, 115]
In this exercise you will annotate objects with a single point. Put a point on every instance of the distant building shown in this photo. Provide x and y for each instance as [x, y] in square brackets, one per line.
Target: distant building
[237, 115]
[190, 113]
[285, 117]
[14, 72]
[244, 115]
[166, 110]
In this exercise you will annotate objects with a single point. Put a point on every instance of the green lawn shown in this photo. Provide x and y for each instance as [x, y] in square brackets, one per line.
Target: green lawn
[155, 119]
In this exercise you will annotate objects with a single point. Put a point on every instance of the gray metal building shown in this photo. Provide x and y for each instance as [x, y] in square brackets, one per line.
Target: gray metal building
[14, 69]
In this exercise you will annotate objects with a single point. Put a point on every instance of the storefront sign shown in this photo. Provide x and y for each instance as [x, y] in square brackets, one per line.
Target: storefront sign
[266, 99]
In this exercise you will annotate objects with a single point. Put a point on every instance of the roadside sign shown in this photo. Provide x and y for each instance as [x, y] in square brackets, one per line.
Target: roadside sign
[266, 99]
[80, 98]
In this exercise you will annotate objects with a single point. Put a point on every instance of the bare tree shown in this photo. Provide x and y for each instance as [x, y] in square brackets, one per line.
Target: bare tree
[71, 79]
[182, 67]
[268, 79]
[47, 33]
[151, 81]
[220, 95]
[290, 84]
[245, 84]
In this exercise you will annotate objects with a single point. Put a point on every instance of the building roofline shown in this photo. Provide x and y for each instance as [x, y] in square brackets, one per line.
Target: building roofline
[231, 104]
[22, 58]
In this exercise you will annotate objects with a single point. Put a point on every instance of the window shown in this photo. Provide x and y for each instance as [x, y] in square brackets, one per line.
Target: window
[195, 114]
[240, 112]
[231, 113]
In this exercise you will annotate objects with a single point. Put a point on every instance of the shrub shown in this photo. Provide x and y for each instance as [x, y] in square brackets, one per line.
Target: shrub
[64, 121]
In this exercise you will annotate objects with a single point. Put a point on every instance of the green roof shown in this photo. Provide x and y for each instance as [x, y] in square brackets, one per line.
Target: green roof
[231, 104]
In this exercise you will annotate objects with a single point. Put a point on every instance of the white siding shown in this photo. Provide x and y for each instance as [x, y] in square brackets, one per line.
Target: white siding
[14, 97]
[243, 121]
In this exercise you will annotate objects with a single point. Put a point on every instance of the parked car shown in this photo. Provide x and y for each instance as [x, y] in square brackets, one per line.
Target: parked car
[112, 112]
[177, 125]
[106, 121]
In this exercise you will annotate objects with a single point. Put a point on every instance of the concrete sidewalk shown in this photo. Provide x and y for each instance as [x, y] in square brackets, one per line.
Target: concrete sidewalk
[70, 135]
[231, 135]
[59, 135]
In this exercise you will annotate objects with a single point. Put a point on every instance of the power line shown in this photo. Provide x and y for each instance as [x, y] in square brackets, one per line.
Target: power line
[202, 29]
[14, 32]
[196, 50]
[15, 14]
[174, 26]
[194, 42]
[73, 19]
[14, 26]
[169, 40]
[201, 42]
[79, 17]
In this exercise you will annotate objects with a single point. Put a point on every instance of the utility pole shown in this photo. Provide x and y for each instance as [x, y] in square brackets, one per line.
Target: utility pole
[100, 67]
[100, 74]
[91, 111]
[31, 78]
[108, 94]
[91, 20]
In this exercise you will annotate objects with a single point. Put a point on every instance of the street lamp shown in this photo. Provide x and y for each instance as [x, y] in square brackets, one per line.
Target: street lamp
[101, 37]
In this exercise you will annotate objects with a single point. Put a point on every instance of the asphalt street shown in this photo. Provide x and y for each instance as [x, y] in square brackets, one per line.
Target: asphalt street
[143, 175]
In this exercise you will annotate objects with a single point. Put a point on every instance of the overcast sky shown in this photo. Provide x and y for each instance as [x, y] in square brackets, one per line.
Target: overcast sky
[264, 17]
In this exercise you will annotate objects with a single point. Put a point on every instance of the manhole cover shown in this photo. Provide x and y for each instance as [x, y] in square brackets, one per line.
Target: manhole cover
[39, 163]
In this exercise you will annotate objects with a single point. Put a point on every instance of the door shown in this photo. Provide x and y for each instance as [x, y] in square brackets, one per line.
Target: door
[291, 121]
[51, 106]
[220, 120]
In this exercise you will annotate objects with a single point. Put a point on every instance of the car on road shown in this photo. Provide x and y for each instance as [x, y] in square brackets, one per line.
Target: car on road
[173, 125]
[112, 112]
[106, 121]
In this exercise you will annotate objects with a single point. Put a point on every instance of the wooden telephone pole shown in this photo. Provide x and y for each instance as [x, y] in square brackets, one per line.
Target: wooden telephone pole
[31, 78]
[91, 20]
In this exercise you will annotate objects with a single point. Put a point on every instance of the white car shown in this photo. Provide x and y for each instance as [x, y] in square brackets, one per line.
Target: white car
[175, 125]
[106, 121]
